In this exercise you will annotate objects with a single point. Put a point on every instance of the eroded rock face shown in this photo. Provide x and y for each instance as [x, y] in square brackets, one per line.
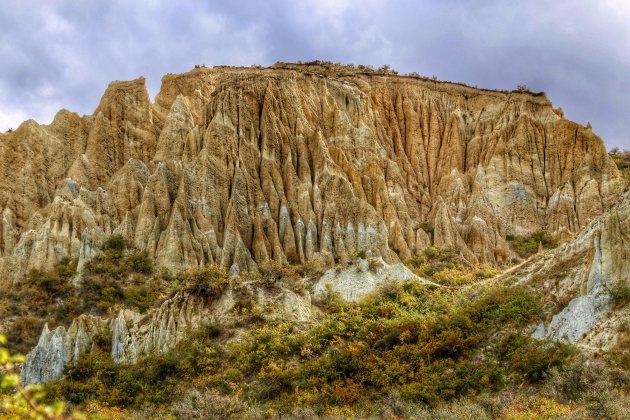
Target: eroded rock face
[57, 348]
[135, 336]
[238, 166]
[362, 277]
[589, 269]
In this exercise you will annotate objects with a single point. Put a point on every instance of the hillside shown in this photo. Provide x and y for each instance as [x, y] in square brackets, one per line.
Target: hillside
[243, 345]
[316, 241]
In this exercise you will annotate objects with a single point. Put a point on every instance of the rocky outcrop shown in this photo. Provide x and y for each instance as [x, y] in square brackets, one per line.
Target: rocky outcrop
[236, 166]
[588, 271]
[362, 277]
[586, 311]
[57, 348]
[134, 336]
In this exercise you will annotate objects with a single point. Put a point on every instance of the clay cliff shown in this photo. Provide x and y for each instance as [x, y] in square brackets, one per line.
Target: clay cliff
[590, 277]
[581, 281]
[236, 166]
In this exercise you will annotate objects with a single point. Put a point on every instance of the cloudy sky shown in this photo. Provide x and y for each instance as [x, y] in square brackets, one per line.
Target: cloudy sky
[62, 53]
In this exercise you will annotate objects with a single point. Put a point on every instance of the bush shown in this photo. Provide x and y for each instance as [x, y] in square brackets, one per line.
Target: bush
[273, 272]
[23, 333]
[141, 294]
[374, 264]
[427, 228]
[115, 277]
[533, 358]
[595, 384]
[447, 267]
[541, 408]
[208, 282]
[620, 293]
[426, 345]
[622, 160]
[42, 297]
[312, 269]
[114, 242]
[209, 404]
[154, 379]
[139, 262]
[619, 355]
[526, 246]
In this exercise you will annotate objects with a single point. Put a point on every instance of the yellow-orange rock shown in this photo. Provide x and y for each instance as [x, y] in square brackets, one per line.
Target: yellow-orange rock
[236, 166]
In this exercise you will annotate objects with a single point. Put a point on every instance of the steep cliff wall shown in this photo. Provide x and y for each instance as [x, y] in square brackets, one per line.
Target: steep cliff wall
[590, 277]
[237, 166]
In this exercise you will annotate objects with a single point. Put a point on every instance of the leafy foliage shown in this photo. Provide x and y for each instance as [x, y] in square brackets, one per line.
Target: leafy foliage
[447, 267]
[97, 377]
[428, 345]
[427, 228]
[116, 276]
[620, 293]
[526, 246]
[622, 160]
[534, 358]
[42, 296]
[209, 281]
[403, 349]
[19, 402]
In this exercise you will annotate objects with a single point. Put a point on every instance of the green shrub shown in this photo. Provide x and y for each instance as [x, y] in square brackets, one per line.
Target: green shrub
[447, 267]
[41, 297]
[141, 294]
[622, 160]
[503, 306]
[114, 277]
[526, 246]
[426, 344]
[312, 269]
[207, 405]
[620, 293]
[114, 242]
[139, 262]
[360, 254]
[533, 358]
[329, 299]
[427, 228]
[274, 272]
[209, 281]
[23, 333]
[619, 355]
[374, 264]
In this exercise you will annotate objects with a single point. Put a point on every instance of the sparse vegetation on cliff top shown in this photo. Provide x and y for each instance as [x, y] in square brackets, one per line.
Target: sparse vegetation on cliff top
[338, 69]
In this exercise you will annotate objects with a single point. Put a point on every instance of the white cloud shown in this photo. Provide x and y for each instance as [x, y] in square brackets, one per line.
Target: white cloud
[619, 7]
[64, 53]
[57, 25]
[11, 119]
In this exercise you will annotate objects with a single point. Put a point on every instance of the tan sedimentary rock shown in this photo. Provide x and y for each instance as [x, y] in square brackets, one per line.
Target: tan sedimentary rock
[360, 277]
[586, 272]
[236, 166]
[60, 347]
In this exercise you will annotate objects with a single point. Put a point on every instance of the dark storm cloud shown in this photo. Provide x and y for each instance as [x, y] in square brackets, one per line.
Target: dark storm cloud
[58, 54]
